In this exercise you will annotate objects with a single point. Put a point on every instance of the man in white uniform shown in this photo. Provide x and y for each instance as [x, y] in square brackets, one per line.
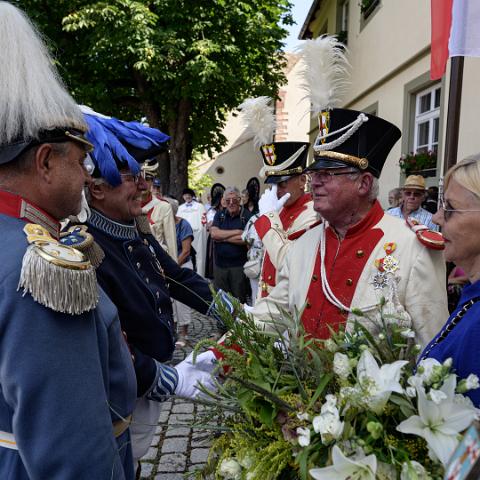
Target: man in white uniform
[359, 254]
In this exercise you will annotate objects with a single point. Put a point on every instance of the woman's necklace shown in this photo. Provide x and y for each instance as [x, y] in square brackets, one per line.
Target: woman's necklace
[451, 325]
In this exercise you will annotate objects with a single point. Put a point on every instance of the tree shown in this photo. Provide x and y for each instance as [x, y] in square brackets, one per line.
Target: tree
[181, 63]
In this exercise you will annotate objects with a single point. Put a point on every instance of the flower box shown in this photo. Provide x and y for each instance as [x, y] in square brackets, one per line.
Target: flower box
[422, 163]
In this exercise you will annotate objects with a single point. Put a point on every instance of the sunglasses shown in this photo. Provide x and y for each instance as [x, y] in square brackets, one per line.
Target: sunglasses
[232, 200]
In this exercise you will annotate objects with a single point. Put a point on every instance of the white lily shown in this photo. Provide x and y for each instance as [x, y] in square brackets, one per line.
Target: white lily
[439, 424]
[344, 468]
[379, 382]
[303, 436]
[328, 423]
[341, 365]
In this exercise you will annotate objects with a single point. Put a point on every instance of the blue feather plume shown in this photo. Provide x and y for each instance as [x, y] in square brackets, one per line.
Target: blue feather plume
[112, 138]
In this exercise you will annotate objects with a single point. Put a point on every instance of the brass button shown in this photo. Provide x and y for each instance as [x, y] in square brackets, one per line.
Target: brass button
[158, 294]
[147, 279]
[138, 265]
[269, 277]
[159, 310]
[360, 253]
[349, 282]
[314, 278]
[130, 248]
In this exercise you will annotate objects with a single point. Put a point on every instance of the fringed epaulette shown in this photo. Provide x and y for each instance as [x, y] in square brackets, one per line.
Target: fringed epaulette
[57, 276]
[143, 225]
[428, 238]
[79, 238]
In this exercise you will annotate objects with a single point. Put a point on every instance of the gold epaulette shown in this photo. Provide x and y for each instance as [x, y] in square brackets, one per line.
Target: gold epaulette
[57, 276]
[79, 238]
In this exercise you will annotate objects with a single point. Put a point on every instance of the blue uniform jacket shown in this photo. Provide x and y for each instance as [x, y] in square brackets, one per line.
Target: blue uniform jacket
[141, 278]
[462, 342]
[58, 375]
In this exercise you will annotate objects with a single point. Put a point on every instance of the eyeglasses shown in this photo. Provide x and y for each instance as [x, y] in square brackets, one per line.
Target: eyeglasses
[232, 200]
[325, 176]
[413, 194]
[130, 177]
[448, 211]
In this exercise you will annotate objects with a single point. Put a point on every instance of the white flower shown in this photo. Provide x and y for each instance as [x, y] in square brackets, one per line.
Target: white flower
[411, 392]
[363, 468]
[328, 423]
[379, 382]
[436, 396]
[426, 368]
[413, 470]
[330, 345]
[408, 333]
[439, 424]
[472, 382]
[303, 436]
[448, 362]
[230, 469]
[341, 365]
[303, 416]
[250, 475]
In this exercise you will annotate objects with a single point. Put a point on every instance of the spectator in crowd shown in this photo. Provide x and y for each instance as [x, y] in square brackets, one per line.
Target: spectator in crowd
[459, 218]
[195, 214]
[248, 202]
[394, 198]
[413, 194]
[216, 195]
[159, 212]
[67, 385]
[230, 249]
[431, 202]
[183, 313]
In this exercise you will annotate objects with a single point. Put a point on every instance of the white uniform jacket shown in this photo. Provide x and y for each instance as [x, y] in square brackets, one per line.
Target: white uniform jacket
[353, 273]
[162, 223]
[277, 232]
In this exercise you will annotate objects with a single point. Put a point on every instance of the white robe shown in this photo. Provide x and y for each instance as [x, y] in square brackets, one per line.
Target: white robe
[195, 215]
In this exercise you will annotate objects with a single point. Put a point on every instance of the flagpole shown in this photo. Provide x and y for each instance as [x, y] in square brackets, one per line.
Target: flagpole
[453, 112]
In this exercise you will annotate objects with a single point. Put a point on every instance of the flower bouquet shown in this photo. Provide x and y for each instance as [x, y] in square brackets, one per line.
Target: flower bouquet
[355, 406]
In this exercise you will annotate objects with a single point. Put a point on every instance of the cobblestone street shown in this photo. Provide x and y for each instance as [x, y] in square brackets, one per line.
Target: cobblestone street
[177, 448]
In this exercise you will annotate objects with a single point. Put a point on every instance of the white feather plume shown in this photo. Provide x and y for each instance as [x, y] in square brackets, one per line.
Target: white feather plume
[326, 72]
[259, 119]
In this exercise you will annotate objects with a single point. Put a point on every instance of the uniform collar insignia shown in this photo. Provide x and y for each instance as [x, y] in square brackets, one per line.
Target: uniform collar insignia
[111, 227]
[15, 206]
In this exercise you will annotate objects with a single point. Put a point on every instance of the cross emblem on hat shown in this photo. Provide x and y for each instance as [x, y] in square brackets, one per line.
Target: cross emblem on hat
[269, 154]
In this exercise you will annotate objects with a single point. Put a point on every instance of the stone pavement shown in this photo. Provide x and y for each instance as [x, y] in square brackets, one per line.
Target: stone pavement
[177, 448]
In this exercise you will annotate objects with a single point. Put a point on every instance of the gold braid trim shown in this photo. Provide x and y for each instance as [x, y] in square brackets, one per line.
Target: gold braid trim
[143, 224]
[361, 163]
[279, 173]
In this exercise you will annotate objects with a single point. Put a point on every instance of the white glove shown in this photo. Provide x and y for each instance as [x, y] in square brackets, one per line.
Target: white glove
[270, 203]
[190, 374]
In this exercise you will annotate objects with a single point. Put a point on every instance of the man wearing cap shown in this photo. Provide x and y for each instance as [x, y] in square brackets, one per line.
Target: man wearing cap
[286, 211]
[359, 255]
[159, 212]
[195, 214]
[137, 274]
[67, 385]
[413, 194]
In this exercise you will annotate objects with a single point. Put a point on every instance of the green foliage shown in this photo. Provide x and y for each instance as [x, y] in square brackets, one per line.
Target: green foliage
[414, 162]
[181, 63]
[197, 181]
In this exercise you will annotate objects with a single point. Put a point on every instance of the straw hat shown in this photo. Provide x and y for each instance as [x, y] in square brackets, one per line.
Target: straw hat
[414, 182]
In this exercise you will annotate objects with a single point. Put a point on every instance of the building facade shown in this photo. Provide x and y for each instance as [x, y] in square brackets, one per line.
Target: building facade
[389, 50]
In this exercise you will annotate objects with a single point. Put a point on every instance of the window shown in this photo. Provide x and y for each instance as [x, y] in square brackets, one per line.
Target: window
[367, 7]
[342, 34]
[427, 120]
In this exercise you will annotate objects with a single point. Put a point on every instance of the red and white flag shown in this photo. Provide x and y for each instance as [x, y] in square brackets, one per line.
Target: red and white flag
[455, 32]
